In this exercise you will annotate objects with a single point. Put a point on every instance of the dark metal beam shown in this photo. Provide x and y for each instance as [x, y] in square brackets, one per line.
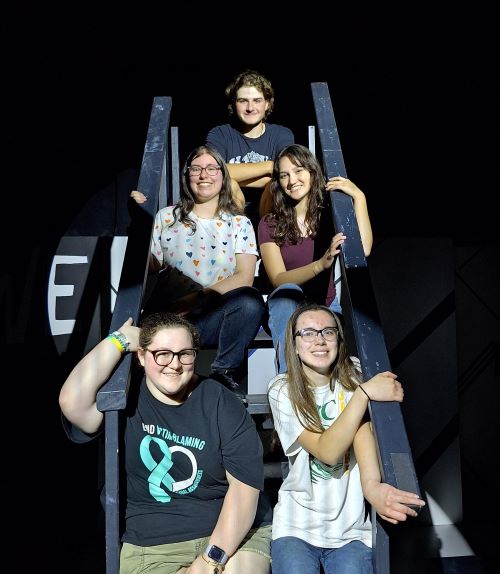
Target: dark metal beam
[112, 397]
[360, 309]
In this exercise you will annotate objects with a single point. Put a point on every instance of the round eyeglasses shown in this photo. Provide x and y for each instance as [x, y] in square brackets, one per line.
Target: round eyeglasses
[195, 170]
[309, 334]
[163, 357]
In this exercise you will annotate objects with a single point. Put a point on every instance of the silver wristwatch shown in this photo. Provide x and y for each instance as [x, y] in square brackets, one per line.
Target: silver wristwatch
[215, 555]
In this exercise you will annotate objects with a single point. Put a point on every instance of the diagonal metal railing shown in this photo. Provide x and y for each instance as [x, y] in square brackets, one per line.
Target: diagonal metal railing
[361, 313]
[112, 397]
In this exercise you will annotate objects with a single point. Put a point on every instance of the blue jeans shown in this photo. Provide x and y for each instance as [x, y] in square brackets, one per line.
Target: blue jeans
[292, 555]
[281, 303]
[230, 325]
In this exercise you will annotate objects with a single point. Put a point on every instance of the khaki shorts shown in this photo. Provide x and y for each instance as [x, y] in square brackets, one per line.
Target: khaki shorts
[169, 558]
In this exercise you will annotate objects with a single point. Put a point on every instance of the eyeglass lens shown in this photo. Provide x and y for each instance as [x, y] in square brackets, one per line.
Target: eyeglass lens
[165, 357]
[328, 333]
[197, 169]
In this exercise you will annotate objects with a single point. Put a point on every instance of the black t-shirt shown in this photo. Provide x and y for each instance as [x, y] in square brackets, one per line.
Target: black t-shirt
[176, 458]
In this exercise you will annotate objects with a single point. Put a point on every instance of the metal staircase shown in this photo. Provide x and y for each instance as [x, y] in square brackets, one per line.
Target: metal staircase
[158, 181]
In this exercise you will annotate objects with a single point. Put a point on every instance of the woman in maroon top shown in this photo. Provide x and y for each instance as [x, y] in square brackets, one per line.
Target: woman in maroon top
[297, 244]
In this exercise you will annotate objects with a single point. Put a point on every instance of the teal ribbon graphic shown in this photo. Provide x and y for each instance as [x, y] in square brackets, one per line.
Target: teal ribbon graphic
[159, 470]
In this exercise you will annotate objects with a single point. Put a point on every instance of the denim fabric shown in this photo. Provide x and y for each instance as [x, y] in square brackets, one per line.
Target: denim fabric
[292, 555]
[231, 325]
[281, 303]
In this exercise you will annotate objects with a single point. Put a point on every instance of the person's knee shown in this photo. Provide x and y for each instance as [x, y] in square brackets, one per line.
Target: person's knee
[286, 288]
[292, 555]
[286, 292]
[244, 561]
[253, 304]
[246, 301]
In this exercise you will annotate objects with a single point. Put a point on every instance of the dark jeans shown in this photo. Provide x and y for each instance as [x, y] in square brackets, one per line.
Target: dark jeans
[291, 555]
[230, 325]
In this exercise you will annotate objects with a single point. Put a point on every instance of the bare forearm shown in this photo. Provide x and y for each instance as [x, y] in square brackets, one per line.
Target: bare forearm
[77, 398]
[364, 225]
[366, 455]
[330, 445]
[236, 517]
[298, 276]
[338, 438]
[255, 183]
[245, 172]
[390, 503]
[239, 279]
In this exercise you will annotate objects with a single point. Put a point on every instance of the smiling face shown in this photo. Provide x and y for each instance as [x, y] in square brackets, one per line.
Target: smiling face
[205, 187]
[250, 106]
[171, 383]
[295, 180]
[319, 355]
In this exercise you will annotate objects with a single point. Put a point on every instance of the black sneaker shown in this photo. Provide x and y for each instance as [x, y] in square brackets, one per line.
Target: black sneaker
[226, 378]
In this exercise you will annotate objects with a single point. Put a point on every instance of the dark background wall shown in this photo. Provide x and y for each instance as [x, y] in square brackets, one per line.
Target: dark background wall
[416, 102]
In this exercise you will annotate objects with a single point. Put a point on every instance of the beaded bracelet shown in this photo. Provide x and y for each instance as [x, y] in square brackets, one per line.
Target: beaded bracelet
[119, 339]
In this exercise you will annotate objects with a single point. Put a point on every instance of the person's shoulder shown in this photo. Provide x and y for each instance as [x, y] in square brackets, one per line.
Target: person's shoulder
[208, 388]
[165, 216]
[277, 383]
[221, 128]
[268, 218]
[211, 387]
[167, 210]
[266, 221]
[208, 384]
[279, 128]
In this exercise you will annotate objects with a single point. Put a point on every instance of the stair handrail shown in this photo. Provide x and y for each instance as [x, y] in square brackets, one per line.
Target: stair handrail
[112, 397]
[360, 310]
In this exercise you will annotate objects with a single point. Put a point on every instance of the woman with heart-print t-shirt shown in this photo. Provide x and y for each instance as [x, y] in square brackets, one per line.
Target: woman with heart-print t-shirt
[205, 250]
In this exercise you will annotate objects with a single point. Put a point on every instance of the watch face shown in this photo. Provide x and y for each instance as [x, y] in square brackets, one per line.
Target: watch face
[216, 553]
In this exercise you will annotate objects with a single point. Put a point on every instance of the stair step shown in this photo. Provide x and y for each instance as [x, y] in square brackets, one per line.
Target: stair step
[258, 405]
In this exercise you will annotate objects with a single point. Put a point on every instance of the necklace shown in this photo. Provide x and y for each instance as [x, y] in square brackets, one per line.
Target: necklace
[303, 228]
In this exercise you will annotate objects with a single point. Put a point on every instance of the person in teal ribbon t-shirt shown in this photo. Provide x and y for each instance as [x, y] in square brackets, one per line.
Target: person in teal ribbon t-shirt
[193, 457]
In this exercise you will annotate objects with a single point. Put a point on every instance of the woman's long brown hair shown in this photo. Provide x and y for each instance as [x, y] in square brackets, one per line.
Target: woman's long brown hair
[343, 370]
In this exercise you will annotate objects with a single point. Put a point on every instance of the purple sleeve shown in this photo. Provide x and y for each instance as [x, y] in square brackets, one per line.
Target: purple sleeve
[264, 231]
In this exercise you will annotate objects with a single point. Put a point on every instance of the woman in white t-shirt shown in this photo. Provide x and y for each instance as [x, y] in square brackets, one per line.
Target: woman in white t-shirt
[319, 409]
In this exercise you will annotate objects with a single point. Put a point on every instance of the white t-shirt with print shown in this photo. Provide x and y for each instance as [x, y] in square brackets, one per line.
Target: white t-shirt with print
[207, 256]
[319, 503]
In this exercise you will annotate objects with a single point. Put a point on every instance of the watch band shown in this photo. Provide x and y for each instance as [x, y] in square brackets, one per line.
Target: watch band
[218, 568]
[215, 554]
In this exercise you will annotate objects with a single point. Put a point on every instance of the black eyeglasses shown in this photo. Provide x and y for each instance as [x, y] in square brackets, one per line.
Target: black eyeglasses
[163, 357]
[309, 334]
[212, 170]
